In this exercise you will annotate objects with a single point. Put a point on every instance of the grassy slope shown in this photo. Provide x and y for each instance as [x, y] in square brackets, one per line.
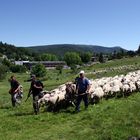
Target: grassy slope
[114, 119]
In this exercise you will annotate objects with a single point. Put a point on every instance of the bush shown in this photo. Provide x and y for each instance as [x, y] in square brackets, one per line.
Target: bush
[86, 57]
[18, 68]
[74, 68]
[3, 71]
[59, 68]
[39, 70]
[72, 58]
[6, 62]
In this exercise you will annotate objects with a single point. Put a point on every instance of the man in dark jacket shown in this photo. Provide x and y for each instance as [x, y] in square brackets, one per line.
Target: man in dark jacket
[35, 89]
[82, 88]
[14, 89]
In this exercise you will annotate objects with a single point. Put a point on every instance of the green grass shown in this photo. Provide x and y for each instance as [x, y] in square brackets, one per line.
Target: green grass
[113, 67]
[118, 62]
[113, 119]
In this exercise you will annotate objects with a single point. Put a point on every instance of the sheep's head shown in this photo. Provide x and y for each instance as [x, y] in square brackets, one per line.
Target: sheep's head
[70, 91]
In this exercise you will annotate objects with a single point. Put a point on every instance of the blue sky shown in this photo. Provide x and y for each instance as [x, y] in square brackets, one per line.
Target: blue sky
[95, 22]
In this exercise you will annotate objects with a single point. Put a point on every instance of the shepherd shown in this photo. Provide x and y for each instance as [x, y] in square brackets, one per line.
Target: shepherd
[82, 89]
[35, 89]
[15, 87]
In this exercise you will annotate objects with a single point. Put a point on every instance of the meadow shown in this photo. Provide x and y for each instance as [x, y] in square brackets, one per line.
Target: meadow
[112, 119]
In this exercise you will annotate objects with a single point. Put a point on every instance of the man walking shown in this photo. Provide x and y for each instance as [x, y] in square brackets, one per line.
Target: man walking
[14, 89]
[82, 88]
[35, 89]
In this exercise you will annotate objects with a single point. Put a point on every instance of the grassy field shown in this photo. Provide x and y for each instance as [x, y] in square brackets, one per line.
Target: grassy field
[113, 119]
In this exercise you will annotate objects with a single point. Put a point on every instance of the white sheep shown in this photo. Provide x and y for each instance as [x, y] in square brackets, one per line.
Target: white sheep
[138, 85]
[107, 88]
[132, 87]
[98, 92]
[125, 89]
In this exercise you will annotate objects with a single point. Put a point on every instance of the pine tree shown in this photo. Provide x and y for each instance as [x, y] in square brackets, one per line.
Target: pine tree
[138, 51]
[101, 58]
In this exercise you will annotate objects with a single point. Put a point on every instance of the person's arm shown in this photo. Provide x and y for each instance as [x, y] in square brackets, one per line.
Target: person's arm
[17, 89]
[30, 90]
[77, 85]
[77, 88]
[40, 86]
[88, 86]
[18, 86]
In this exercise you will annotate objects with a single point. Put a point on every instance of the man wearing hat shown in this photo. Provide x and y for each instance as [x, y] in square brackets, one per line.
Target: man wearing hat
[82, 88]
[35, 89]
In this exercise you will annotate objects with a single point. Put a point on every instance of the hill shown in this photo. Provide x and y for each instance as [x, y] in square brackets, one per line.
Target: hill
[13, 52]
[61, 49]
[28, 53]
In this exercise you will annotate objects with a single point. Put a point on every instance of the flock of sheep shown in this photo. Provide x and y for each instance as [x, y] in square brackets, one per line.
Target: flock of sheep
[115, 86]
[121, 85]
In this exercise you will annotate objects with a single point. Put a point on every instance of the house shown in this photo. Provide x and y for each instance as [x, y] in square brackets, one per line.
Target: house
[47, 64]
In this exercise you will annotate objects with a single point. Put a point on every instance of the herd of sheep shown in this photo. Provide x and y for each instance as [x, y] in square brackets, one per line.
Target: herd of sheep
[115, 86]
[121, 85]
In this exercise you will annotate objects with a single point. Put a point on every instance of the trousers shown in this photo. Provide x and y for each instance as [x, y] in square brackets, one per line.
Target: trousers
[79, 99]
[35, 104]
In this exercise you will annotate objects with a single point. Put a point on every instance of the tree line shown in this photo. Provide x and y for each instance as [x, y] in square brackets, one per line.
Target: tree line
[72, 59]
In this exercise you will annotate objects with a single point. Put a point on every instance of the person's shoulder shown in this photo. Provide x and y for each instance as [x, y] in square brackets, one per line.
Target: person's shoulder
[86, 79]
[39, 82]
[16, 81]
[76, 78]
[79, 79]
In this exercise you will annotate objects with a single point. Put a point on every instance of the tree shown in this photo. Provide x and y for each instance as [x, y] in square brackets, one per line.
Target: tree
[120, 54]
[86, 57]
[48, 57]
[101, 58]
[138, 51]
[131, 53]
[6, 62]
[59, 68]
[39, 70]
[17, 53]
[18, 68]
[114, 55]
[74, 68]
[1, 55]
[3, 71]
[72, 58]
[37, 57]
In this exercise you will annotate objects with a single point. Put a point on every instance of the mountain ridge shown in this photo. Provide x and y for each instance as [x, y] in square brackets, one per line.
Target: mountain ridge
[61, 49]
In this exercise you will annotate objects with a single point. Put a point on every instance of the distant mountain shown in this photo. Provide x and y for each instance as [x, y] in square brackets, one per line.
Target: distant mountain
[61, 49]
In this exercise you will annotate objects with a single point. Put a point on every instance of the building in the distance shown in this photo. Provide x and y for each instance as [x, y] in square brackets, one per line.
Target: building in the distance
[47, 64]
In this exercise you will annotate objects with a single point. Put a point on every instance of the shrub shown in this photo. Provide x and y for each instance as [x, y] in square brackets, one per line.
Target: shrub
[39, 70]
[3, 71]
[72, 58]
[18, 68]
[59, 68]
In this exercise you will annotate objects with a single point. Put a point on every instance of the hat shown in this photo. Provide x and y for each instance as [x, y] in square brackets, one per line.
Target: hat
[82, 72]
